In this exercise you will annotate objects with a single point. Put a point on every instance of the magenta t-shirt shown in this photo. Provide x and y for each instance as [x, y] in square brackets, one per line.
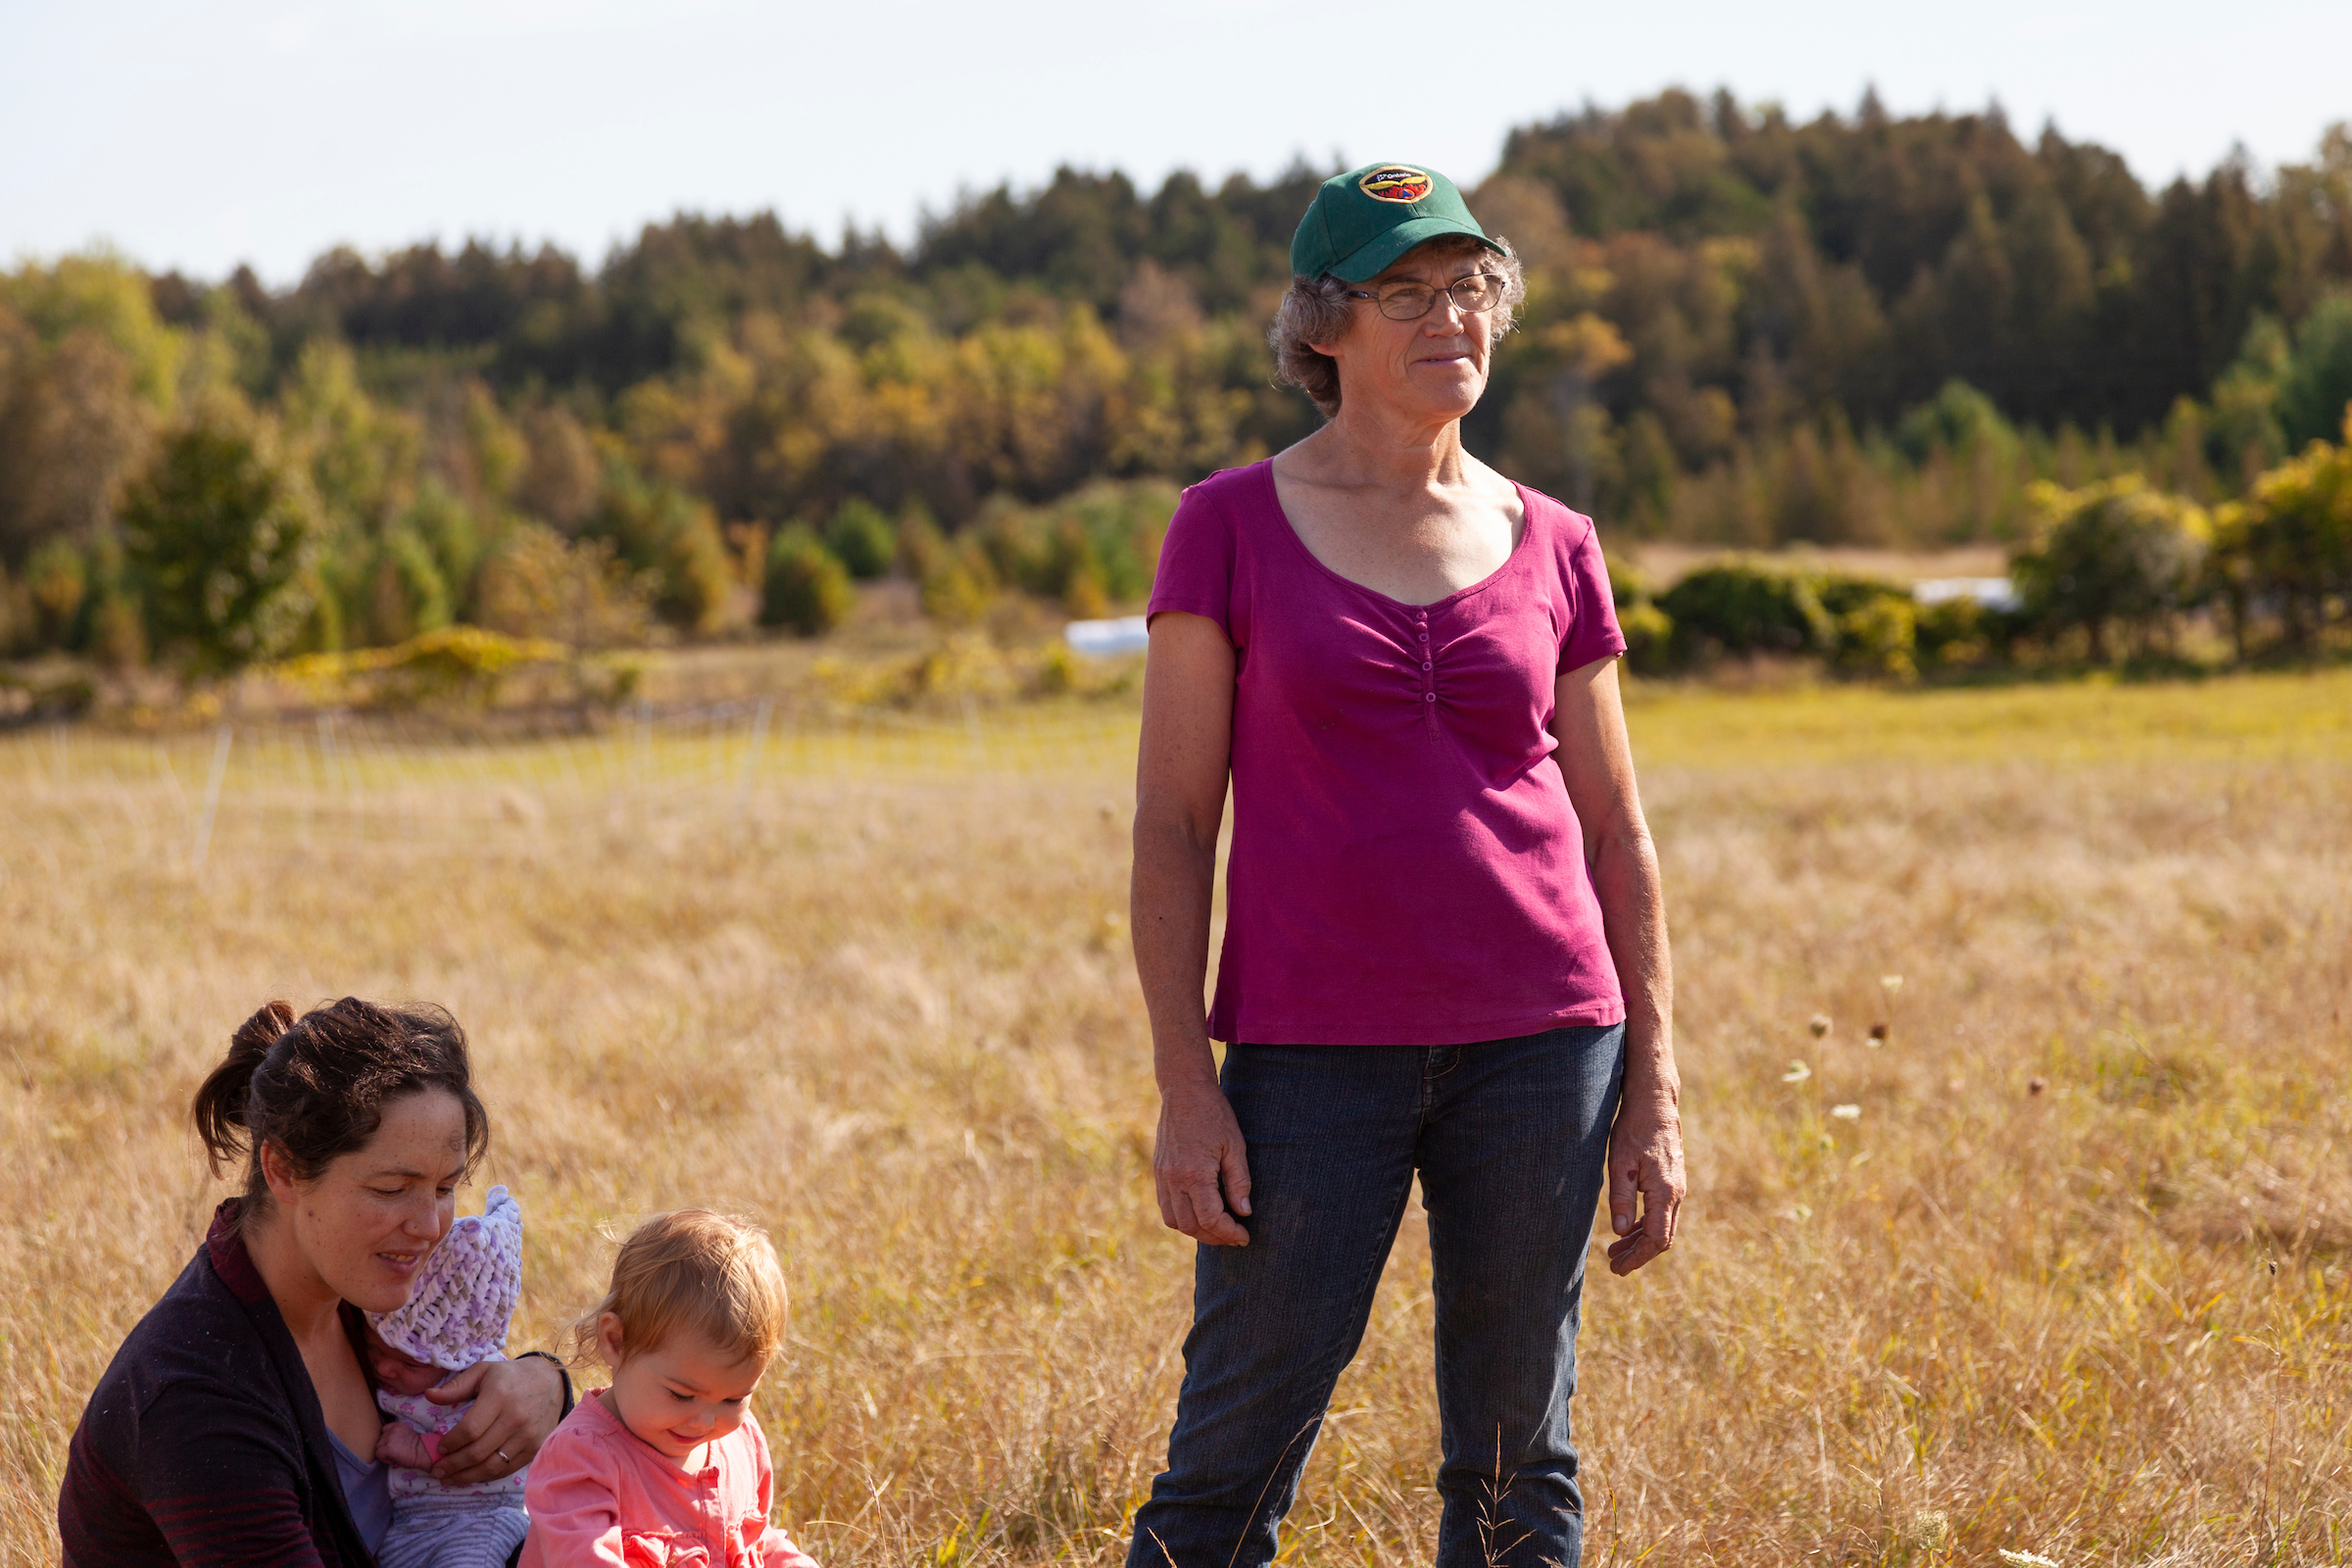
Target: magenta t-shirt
[1406, 868]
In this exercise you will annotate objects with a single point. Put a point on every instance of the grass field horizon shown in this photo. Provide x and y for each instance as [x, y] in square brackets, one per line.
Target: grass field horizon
[2063, 1266]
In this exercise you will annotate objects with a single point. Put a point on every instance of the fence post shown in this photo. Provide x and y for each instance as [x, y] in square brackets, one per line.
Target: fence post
[211, 800]
[750, 758]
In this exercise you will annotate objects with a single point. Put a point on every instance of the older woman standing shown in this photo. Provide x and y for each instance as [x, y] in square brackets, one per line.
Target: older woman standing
[1446, 946]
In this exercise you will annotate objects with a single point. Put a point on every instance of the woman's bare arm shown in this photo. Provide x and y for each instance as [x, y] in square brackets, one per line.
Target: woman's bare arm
[1645, 1146]
[1199, 1167]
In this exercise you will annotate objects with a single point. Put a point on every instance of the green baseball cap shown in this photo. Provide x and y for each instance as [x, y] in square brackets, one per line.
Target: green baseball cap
[1362, 220]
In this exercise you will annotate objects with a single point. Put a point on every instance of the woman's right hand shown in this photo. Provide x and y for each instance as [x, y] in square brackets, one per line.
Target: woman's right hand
[517, 1405]
[1198, 1166]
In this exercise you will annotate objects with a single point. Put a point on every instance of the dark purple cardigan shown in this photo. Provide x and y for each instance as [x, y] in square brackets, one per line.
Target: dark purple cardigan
[204, 1443]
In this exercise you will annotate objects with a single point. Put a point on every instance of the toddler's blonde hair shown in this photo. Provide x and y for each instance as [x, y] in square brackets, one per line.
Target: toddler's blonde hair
[701, 1272]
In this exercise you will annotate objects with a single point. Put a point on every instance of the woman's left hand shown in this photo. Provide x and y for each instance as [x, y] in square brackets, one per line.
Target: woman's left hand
[516, 1407]
[1645, 1164]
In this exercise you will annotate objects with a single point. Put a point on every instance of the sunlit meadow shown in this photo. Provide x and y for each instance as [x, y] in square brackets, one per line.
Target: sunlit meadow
[2013, 1026]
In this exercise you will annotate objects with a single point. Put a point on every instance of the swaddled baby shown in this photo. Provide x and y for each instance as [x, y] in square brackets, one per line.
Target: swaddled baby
[457, 1318]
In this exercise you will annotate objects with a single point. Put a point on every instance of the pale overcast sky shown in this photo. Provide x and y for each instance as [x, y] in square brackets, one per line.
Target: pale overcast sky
[199, 133]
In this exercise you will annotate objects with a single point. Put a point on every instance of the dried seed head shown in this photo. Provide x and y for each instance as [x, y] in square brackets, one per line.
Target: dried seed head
[1820, 1024]
[1927, 1530]
[1846, 1113]
[1878, 1034]
[2035, 1086]
[1893, 983]
[1797, 1073]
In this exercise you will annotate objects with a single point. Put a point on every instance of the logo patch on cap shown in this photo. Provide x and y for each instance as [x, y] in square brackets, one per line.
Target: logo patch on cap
[1394, 183]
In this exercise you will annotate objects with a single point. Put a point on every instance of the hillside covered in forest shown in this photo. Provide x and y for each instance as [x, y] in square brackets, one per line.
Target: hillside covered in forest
[1741, 329]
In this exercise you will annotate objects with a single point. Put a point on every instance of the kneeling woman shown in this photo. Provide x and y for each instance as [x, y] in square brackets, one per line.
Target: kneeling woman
[238, 1424]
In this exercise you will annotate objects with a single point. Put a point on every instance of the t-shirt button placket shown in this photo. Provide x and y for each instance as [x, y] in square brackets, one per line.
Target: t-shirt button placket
[1429, 694]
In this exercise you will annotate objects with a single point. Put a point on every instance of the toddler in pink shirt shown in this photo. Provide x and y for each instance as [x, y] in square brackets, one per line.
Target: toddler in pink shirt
[666, 1468]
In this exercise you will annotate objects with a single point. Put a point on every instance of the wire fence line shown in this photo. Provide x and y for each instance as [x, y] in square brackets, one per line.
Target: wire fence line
[338, 784]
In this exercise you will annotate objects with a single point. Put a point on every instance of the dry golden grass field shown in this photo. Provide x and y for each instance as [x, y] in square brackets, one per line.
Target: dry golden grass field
[2063, 1266]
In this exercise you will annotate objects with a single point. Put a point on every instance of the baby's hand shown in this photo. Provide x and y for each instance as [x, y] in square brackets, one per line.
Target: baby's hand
[403, 1446]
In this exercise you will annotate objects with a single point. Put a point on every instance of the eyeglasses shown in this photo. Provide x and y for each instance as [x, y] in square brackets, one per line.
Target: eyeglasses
[1474, 295]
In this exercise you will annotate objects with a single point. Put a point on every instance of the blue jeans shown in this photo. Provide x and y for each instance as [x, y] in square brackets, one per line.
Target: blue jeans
[1510, 1139]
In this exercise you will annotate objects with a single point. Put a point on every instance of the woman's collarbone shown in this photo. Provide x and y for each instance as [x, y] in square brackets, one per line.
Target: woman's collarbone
[1414, 558]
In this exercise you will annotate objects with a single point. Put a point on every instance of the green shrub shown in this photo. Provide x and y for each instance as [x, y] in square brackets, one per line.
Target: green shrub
[1648, 630]
[537, 584]
[1841, 593]
[2110, 555]
[1954, 633]
[1879, 637]
[662, 530]
[2288, 546]
[1124, 524]
[215, 539]
[1743, 608]
[1648, 637]
[861, 539]
[807, 588]
[1090, 551]
[959, 584]
[1876, 623]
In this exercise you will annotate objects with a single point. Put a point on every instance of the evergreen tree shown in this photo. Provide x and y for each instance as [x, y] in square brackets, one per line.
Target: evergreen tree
[214, 539]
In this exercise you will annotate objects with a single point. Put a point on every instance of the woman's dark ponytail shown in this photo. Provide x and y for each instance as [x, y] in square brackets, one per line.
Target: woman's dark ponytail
[221, 1108]
[314, 1088]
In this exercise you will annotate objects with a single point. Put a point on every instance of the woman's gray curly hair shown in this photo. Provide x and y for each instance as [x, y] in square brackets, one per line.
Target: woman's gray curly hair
[1314, 310]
